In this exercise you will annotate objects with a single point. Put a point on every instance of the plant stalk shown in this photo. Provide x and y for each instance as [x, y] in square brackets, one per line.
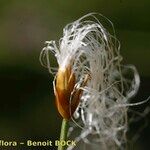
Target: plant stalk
[63, 133]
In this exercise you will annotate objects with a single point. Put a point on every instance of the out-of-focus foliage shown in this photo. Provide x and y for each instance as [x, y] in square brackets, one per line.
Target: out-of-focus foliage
[27, 107]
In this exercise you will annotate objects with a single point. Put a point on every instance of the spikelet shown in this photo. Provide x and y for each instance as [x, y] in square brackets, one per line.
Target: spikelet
[101, 111]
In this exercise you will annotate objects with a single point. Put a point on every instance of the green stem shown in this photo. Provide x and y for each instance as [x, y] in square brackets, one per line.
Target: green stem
[63, 134]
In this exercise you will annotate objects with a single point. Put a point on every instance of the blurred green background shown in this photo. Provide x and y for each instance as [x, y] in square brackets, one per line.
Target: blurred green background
[27, 108]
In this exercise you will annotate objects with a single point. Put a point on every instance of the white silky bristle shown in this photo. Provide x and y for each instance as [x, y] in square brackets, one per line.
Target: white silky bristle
[93, 50]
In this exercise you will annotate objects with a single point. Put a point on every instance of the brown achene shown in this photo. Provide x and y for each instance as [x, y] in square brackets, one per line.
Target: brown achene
[67, 96]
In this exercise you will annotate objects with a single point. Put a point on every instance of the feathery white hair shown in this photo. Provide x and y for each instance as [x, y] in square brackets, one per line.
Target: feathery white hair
[102, 111]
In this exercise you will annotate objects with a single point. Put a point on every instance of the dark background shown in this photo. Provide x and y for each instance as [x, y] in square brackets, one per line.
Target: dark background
[27, 108]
